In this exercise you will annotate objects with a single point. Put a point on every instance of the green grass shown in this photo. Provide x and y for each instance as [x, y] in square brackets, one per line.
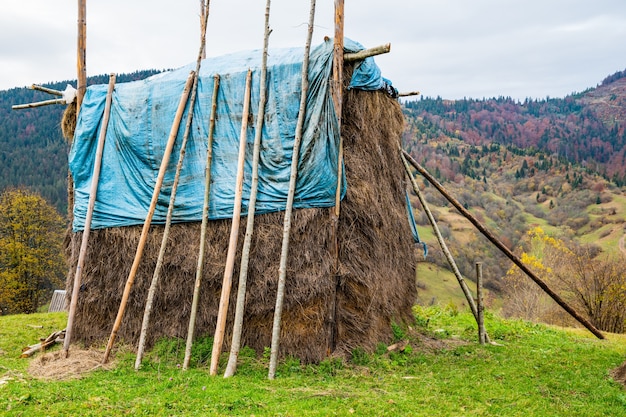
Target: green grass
[535, 371]
[439, 286]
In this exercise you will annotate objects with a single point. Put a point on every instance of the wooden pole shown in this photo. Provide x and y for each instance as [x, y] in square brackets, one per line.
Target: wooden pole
[409, 93]
[90, 207]
[481, 303]
[146, 226]
[81, 63]
[245, 251]
[503, 248]
[337, 93]
[203, 228]
[46, 90]
[170, 209]
[218, 339]
[282, 270]
[38, 104]
[442, 243]
[366, 53]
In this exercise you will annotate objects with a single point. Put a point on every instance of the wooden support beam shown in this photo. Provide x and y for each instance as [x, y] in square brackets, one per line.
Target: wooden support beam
[366, 53]
[95, 178]
[81, 62]
[409, 93]
[170, 210]
[203, 228]
[433, 181]
[247, 242]
[38, 104]
[282, 269]
[442, 243]
[227, 282]
[46, 90]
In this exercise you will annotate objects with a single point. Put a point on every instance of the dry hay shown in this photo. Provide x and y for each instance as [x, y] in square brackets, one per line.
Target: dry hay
[375, 283]
[54, 365]
[619, 374]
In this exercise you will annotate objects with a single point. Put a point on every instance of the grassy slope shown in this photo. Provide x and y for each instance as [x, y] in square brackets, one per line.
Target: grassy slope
[536, 371]
[438, 286]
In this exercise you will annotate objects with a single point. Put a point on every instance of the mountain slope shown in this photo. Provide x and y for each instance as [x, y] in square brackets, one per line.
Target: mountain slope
[587, 128]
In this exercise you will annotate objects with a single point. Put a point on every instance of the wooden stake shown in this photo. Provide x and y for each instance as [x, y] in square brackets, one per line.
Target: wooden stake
[282, 270]
[442, 243]
[146, 226]
[90, 207]
[170, 209]
[81, 85]
[480, 302]
[218, 340]
[245, 252]
[205, 220]
[503, 248]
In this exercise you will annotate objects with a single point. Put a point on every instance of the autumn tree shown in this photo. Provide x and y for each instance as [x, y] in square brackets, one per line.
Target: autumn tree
[590, 281]
[31, 257]
[596, 284]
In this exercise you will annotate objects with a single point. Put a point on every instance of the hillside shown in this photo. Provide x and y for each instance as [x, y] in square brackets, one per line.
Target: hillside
[586, 128]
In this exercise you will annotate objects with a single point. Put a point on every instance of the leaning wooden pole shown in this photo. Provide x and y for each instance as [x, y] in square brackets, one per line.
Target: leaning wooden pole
[582, 320]
[170, 210]
[92, 202]
[81, 62]
[337, 92]
[245, 251]
[146, 226]
[282, 270]
[227, 282]
[337, 96]
[442, 243]
[203, 228]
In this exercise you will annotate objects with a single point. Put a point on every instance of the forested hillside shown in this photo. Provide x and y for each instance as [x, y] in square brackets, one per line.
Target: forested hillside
[33, 153]
[587, 128]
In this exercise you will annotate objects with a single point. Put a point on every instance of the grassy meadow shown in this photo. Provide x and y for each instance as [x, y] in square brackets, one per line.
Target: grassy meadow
[532, 370]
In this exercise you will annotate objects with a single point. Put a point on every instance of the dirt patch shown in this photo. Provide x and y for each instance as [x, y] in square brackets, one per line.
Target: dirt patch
[431, 344]
[54, 366]
[619, 374]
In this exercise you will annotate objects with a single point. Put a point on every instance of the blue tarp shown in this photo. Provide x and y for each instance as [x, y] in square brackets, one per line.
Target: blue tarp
[141, 117]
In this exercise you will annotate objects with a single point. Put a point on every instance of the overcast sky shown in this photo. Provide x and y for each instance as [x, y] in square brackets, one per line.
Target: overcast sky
[447, 48]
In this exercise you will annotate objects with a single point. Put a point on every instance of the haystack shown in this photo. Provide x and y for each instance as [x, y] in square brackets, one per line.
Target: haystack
[373, 286]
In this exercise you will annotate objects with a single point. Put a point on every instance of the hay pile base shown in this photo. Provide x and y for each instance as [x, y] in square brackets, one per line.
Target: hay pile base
[54, 366]
[374, 286]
